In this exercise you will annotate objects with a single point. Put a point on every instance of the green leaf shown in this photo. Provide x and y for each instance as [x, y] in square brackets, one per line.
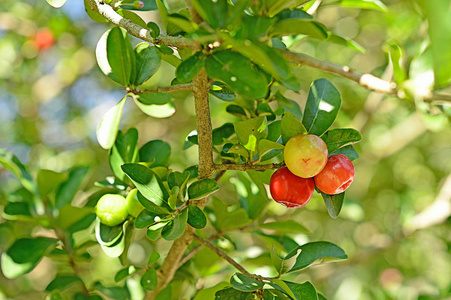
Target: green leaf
[56, 3]
[154, 98]
[154, 234]
[304, 291]
[145, 218]
[279, 5]
[321, 297]
[340, 137]
[124, 150]
[175, 229]
[290, 127]
[60, 282]
[351, 44]
[178, 179]
[274, 131]
[252, 193]
[289, 105]
[283, 266]
[196, 217]
[118, 247]
[149, 280]
[151, 205]
[108, 126]
[222, 91]
[153, 29]
[24, 254]
[156, 111]
[365, 4]
[14, 209]
[280, 285]
[349, 151]
[288, 226]
[202, 188]
[307, 27]
[315, 251]
[13, 164]
[156, 151]
[147, 182]
[264, 146]
[67, 190]
[244, 283]
[112, 292]
[131, 16]
[437, 13]
[107, 235]
[238, 72]
[250, 131]
[323, 104]
[153, 257]
[333, 203]
[82, 296]
[69, 215]
[189, 67]
[237, 149]
[147, 62]
[226, 220]
[222, 132]
[48, 180]
[233, 294]
[397, 57]
[125, 272]
[213, 12]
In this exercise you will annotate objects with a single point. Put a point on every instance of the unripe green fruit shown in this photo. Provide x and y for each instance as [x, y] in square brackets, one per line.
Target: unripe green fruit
[134, 207]
[305, 155]
[112, 209]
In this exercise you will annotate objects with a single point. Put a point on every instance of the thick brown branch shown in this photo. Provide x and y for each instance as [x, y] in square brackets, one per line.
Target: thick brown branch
[222, 254]
[167, 89]
[111, 15]
[245, 167]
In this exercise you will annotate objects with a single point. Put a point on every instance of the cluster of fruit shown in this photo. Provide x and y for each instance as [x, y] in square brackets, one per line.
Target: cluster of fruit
[308, 165]
[113, 209]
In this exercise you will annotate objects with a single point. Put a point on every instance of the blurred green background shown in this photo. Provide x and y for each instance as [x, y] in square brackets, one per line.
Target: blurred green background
[394, 226]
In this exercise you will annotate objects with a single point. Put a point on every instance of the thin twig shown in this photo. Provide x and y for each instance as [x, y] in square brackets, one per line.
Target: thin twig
[245, 167]
[167, 89]
[144, 34]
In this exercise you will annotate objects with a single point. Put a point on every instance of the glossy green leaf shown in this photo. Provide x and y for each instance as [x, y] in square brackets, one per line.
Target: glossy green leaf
[154, 98]
[67, 190]
[264, 146]
[13, 164]
[24, 254]
[202, 188]
[365, 4]
[233, 294]
[153, 206]
[321, 297]
[190, 67]
[154, 234]
[112, 292]
[244, 283]
[349, 151]
[118, 247]
[307, 27]
[222, 91]
[288, 226]
[221, 133]
[175, 229]
[334, 203]
[107, 235]
[290, 127]
[156, 151]
[340, 137]
[238, 72]
[131, 16]
[213, 12]
[153, 29]
[250, 131]
[178, 179]
[397, 57]
[48, 180]
[145, 218]
[279, 5]
[153, 257]
[281, 265]
[56, 3]
[304, 291]
[274, 131]
[149, 280]
[125, 272]
[237, 149]
[107, 129]
[148, 184]
[316, 252]
[12, 210]
[124, 150]
[60, 282]
[196, 217]
[69, 215]
[281, 286]
[289, 105]
[147, 62]
[156, 111]
[323, 104]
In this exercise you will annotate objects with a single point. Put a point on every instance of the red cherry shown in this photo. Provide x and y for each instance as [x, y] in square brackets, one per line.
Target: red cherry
[289, 189]
[337, 175]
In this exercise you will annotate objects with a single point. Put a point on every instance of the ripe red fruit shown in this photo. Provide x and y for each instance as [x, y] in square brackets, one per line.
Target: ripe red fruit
[337, 175]
[289, 189]
[44, 39]
[305, 155]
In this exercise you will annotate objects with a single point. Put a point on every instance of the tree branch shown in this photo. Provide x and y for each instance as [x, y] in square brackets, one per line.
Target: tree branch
[245, 167]
[144, 34]
[167, 89]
